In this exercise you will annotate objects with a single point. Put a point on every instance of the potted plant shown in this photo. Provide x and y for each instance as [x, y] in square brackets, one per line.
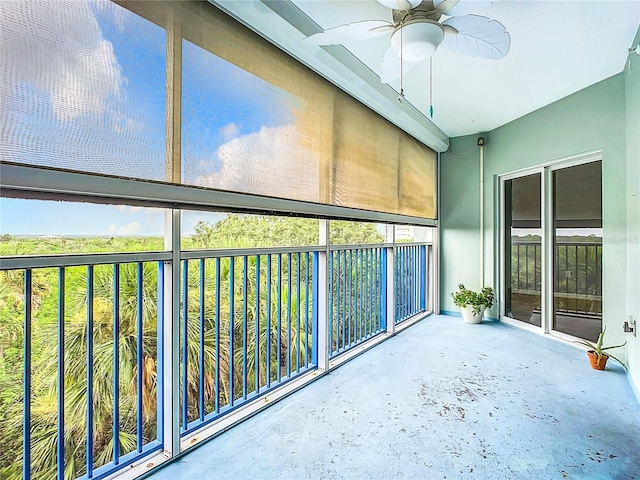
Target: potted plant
[473, 304]
[596, 353]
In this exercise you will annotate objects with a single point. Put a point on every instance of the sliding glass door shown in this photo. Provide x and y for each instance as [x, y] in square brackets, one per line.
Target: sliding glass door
[523, 252]
[552, 248]
[577, 235]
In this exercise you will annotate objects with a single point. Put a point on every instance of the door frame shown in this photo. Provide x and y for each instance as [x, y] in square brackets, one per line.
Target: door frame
[547, 238]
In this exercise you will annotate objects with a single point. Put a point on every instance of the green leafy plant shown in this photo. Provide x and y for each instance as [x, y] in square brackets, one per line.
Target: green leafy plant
[599, 350]
[478, 301]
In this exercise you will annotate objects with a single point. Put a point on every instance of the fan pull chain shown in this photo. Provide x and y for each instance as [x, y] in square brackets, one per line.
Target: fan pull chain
[431, 86]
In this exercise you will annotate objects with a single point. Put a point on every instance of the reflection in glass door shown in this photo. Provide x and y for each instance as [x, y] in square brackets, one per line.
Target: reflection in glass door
[523, 249]
[577, 224]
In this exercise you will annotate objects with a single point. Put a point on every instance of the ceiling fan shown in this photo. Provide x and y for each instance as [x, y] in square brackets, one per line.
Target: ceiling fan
[417, 31]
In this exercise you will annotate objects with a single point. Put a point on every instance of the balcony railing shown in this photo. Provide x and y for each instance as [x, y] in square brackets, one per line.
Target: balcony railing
[249, 322]
[357, 310]
[578, 278]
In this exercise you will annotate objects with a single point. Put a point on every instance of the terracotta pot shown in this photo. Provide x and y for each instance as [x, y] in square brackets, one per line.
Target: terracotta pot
[595, 364]
[469, 316]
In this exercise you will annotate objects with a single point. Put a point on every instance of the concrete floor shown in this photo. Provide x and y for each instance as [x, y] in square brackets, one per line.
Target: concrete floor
[441, 400]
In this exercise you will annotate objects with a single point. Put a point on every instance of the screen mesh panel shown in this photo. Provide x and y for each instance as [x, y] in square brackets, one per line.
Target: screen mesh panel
[293, 135]
[243, 134]
[83, 87]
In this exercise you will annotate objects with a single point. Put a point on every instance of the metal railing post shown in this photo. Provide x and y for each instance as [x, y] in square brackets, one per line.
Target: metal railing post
[321, 296]
[170, 341]
[390, 286]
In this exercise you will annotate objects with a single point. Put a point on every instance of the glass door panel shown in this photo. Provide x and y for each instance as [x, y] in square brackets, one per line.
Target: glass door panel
[577, 220]
[523, 249]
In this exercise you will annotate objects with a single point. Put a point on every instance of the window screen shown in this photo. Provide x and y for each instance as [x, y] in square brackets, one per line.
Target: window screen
[83, 87]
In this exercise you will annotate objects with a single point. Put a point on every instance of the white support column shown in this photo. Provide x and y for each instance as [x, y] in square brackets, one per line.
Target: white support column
[391, 321]
[171, 337]
[323, 297]
[171, 327]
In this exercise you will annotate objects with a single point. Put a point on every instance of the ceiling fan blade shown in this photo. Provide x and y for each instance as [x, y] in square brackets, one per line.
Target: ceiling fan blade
[390, 68]
[477, 36]
[461, 7]
[350, 32]
[400, 4]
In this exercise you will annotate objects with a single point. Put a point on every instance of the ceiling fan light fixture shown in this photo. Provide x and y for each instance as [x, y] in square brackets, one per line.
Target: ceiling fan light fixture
[419, 40]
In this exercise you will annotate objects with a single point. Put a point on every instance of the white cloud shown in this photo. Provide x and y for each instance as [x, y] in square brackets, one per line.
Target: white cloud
[58, 47]
[229, 131]
[133, 228]
[270, 162]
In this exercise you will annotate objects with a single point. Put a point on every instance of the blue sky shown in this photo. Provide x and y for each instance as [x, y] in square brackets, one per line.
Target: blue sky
[111, 117]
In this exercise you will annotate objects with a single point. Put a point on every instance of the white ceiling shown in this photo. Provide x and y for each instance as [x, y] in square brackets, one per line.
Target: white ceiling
[557, 48]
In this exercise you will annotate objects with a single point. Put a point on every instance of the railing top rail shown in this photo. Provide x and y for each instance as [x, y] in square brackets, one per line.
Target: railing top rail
[240, 252]
[361, 246]
[82, 259]
[598, 244]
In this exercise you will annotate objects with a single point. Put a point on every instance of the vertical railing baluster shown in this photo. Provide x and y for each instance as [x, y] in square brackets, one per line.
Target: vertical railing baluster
[314, 308]
[349, 273]
[61, 315]
[279, 312]
[383, 288]
[415, 278]
[375, 320]
[369, 291]
[232, 267]
[201, 406]
[218, 297]
[256, 317]
[89, 439]
[361, 307]
[526, 266]
[116, 364]
[185, 344]
[366, 307]
[330, 302]
[343, 286]
[423, 278]
[398, 284]
[289, 314]
[268, 282]
[298, 316]
[378, 290]
[139, 357]
[245, 299]
[306, 311]
[26, 388]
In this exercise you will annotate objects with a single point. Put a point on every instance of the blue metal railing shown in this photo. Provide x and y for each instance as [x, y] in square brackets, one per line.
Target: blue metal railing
[247, 328]
[248, 324]
[357, 286]
[89, 373]
[410, 281]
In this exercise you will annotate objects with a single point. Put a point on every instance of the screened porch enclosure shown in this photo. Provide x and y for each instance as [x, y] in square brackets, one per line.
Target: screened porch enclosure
[189, 231]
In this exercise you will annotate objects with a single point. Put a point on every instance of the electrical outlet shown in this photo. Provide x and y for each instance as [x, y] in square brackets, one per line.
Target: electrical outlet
[630, 325]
